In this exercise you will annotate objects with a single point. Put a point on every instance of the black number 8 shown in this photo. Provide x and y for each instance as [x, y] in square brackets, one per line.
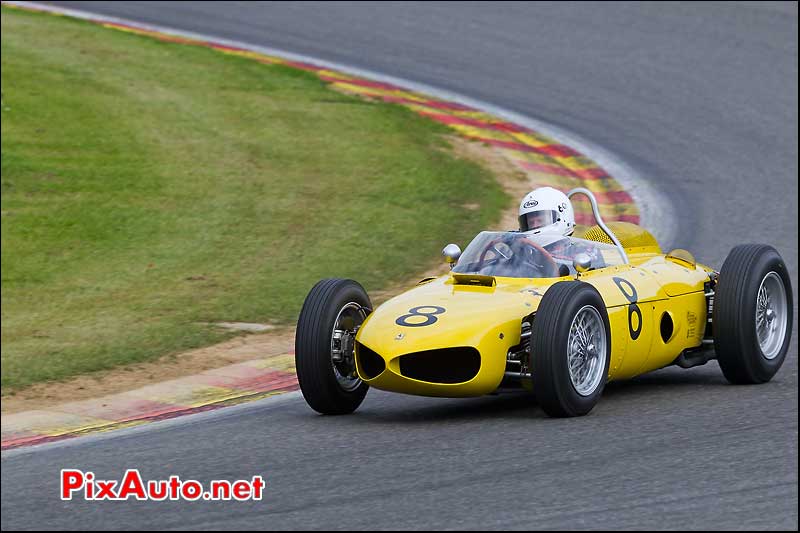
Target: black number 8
[430, 318]
[633, 308]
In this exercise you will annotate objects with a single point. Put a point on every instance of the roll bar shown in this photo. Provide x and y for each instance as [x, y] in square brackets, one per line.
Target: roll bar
[599, 219]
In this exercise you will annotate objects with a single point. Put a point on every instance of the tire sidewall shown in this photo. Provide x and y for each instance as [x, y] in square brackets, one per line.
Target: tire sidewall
[551, 371]
[761, 368]
[315, 371]
[579, 404]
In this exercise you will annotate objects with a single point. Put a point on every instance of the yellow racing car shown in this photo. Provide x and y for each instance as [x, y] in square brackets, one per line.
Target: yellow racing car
[559, 316]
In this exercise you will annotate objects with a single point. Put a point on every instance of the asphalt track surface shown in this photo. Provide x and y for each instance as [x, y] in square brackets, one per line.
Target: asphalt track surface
[702, 101]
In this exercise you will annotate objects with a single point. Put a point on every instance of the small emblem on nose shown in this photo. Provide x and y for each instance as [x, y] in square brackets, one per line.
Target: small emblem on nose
[399, 336]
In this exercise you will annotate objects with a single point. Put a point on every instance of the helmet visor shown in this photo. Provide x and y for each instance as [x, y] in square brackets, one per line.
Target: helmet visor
[537, 219]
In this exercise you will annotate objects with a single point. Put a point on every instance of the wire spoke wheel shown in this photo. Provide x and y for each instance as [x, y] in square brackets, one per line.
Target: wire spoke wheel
[586, 348]
[771, 315]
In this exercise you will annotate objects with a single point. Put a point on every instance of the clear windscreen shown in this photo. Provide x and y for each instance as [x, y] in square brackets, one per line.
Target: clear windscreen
[522, 255]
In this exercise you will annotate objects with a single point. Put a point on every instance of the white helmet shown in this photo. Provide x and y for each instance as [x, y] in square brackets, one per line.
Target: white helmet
[546, 210]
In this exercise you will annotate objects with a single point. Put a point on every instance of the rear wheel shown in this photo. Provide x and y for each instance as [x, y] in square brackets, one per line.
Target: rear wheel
[752, 314]
[570, 349]
[324, 357]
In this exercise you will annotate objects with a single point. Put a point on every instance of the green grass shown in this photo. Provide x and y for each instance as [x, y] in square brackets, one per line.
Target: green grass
[148, 188]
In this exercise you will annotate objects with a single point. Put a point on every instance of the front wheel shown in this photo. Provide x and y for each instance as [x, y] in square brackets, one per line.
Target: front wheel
[752, 314]
[570, 349]
[332, 313]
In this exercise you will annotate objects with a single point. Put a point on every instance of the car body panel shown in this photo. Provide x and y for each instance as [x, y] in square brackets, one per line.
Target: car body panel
[448, 312]
[464, 323]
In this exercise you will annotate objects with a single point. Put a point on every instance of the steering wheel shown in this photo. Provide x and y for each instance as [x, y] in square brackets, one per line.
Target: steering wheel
[549, 268]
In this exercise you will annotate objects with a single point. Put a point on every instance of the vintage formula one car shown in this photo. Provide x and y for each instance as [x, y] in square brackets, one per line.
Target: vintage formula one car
[559, 316]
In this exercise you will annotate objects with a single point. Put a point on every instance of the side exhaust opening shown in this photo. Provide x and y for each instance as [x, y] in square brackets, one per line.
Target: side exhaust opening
[667, 327]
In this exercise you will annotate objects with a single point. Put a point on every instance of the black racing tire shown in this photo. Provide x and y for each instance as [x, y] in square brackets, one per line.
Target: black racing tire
[550, 332]
[312, 347]
[736, 342]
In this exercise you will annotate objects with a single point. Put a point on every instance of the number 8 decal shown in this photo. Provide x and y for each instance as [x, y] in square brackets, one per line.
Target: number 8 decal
[430, 317]
[633, 308]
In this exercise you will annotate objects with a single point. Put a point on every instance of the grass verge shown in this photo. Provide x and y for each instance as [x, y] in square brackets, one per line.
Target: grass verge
[151, 188]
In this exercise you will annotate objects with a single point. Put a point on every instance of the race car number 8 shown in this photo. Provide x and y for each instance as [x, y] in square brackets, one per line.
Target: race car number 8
[633, 308]
[430, 316]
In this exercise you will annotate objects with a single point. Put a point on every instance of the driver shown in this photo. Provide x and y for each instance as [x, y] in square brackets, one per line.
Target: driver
[548, 212]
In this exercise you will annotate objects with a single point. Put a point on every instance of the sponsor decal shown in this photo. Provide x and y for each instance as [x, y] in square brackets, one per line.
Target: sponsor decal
[691, 319]
[530, 203]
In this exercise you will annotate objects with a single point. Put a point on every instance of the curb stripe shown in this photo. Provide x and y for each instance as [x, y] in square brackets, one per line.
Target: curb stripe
[552, 150]
[303, 66]
[451, 120]
[435, 104]
[583, 174]
[288, 386]
[333, 78]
